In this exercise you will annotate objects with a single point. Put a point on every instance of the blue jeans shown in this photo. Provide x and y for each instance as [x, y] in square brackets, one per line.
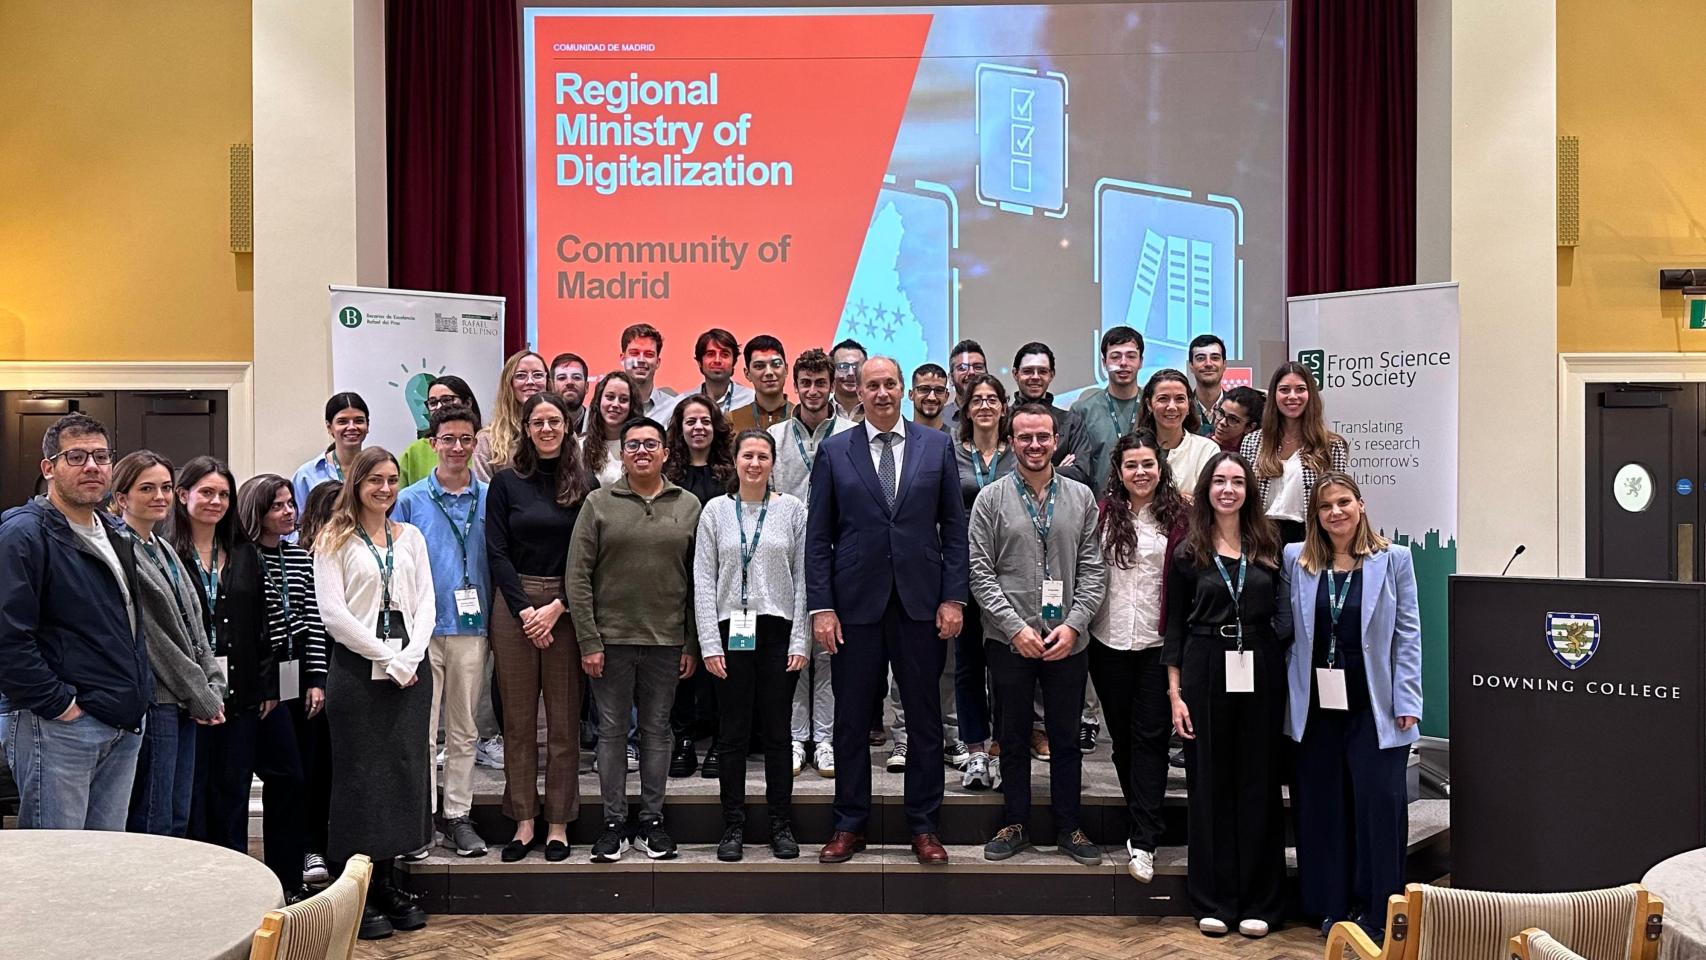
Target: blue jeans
[72, 775]
[165, 773]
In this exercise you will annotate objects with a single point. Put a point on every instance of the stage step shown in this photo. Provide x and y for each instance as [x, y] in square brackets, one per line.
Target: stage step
[885, 879]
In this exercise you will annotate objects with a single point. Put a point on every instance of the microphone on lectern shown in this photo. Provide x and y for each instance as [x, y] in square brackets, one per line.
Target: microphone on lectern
[1519, 549]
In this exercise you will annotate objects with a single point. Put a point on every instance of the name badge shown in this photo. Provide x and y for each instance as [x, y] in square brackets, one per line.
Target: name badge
[1054, 598]
[743, 631]
[289, 679]
[224, 664]
[1240, 671]
[1330, 688]
[468, 608]
[393, 644]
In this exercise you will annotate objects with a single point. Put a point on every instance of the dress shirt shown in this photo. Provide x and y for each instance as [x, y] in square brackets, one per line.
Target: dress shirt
[348, 587]
[898, 446]
[451, 565]
[1130, 618]
[736, 397]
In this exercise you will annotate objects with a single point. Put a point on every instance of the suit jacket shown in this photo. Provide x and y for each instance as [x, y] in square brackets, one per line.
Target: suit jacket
[1391, 642]
[858, 550]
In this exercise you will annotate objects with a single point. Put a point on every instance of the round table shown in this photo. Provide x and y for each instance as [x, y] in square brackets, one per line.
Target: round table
[68, 894]
[1681, 883]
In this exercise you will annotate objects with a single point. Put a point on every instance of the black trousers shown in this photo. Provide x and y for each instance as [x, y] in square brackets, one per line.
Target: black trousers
[1232, 769]
[695, 714]
[758, 684]
[1352, 817]
[1016, 681]
[314, 744]
[228, 757]
[860, 679]
[1132, 685]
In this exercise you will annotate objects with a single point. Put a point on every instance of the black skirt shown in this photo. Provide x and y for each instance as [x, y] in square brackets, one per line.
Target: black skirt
[381, 764]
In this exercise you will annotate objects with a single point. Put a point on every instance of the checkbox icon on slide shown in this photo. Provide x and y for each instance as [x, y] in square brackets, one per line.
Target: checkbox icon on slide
[1023, 136]
[1020, 176]
[1023, 101]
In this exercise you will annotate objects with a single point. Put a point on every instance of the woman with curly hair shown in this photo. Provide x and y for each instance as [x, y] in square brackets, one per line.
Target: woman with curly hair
[612, 405]
[701, 448]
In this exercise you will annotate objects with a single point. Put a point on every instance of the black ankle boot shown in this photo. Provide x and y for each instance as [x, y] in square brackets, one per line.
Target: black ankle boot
[374, 924]
[399, 908]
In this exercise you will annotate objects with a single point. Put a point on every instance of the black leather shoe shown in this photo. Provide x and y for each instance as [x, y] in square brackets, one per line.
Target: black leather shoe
[556, 851]
[402, 911]
[374, 925]
[712, 768]
[732, 846]
[686, 759]
[783, 846]
[516, 851]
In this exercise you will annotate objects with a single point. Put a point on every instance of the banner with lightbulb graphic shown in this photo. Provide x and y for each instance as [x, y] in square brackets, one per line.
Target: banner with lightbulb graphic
[388, 345]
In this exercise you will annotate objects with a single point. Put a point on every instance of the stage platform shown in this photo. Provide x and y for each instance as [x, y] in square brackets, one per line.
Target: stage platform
[886, 879]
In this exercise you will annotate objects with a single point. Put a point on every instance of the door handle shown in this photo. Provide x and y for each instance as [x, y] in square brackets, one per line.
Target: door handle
[1685, 552]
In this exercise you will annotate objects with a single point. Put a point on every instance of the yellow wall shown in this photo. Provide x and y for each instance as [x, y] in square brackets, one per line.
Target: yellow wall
[1629, 86]
[115, 124]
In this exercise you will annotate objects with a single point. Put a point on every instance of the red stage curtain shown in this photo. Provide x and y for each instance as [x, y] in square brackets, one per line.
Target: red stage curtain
[453, 125]
[1351, 162]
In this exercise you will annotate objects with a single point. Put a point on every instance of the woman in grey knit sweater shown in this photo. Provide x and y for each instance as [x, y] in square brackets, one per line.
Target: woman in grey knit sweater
[189, 684]
[749, 602]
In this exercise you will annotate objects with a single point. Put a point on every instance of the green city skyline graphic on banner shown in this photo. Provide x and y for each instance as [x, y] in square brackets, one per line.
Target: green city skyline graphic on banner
[1435, 562]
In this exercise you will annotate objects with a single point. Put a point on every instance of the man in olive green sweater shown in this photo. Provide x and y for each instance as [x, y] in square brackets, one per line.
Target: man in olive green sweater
[630, 589]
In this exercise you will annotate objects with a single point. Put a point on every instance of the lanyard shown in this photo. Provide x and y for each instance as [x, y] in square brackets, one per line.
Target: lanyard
[282, 584]
[337, 468]
[168, 566]
[466, 530]
[746, 554]
[209, 580]
[981, 475]
[1236, 591]
[794, 429]
[1040, 524]
[384, 573]
[1120, 429]
[1335, 606]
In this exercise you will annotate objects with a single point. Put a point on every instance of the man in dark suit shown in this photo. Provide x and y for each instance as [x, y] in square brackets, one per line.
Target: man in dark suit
[886, 576]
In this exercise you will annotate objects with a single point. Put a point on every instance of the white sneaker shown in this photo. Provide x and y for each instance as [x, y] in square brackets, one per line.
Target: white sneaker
[897, 759]
[799, 756]
[1254, 929]
[976, 776]
[314, 869]
[439, 760]
[1142, 865]
[489, 753]
[823, 758]
[1212, 927]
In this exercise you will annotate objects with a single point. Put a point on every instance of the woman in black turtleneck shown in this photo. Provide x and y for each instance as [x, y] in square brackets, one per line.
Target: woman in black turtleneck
[702, 462]
[530, 515]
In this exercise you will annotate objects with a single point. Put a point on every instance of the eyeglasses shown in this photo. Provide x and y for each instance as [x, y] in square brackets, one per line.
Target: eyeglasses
[1230, 419]
[529, 376]
[971, 367]
[1035, 371]
[846, 366]
[78, 458]
[1032, 439]
[635, 446]
[984, 400]
[463, 440]
[433, 403]
[931, 391]
[555, 423]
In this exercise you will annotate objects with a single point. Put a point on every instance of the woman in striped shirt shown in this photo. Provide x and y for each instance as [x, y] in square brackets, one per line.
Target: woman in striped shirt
[266, 509]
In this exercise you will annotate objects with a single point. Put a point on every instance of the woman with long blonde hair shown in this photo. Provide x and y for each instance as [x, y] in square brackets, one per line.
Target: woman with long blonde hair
[1292, 448]
[524, 375]
[1354, 677]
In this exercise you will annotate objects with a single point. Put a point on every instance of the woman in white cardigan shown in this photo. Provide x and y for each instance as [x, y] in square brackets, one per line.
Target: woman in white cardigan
[374, 586]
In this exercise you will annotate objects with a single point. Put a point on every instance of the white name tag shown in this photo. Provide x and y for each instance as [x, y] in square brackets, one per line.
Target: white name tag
[289, 679]
[1330, 688]
[1240, 671]
[395, 645]
[224, 669]
[743, 631]
[468, 607]
[1054, 599]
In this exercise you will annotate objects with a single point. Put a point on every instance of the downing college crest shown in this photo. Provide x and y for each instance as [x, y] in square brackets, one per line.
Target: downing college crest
[1572, 637]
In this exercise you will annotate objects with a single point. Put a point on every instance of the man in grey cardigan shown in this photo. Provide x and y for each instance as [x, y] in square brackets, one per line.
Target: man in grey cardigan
[1037, 574]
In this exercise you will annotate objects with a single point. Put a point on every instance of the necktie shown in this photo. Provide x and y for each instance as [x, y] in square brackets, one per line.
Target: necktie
[885, 467]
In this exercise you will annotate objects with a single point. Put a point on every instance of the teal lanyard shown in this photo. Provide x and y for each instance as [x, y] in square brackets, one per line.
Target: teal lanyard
[794, 429]
[168, 566]
[1335, 606]
[1041, 524]
[385, 569]
[466, 529]
[981, 475]
[281, 584]
[746, 554]
[1120, 429]
[337, 468]
[1236, 591]
[209, 579]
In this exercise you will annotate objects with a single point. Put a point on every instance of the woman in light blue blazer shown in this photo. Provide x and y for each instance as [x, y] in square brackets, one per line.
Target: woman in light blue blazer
[1355, 676]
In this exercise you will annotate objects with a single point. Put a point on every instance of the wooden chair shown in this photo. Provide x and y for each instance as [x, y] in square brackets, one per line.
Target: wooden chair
[322, 927]
[1442, 923]
[1537, 944]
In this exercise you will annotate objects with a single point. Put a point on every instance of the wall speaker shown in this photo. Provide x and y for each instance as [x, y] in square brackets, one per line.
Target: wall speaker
[1569, 191]
[242, 198]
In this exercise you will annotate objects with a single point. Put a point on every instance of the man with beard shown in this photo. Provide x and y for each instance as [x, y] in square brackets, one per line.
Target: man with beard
[1033, 374]
[715, 352]
[767, 368]
[848, 355]
[568, 379]
[930, 396]
[965, 361]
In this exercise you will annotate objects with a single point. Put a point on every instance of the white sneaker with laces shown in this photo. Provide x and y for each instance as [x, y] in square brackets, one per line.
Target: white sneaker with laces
[976, 775]
[956, 754]
[1142, 865]
[314, 869]
[799, 756]
[1253, 929]
[1211, 926]
[823, 758]
[489, 753]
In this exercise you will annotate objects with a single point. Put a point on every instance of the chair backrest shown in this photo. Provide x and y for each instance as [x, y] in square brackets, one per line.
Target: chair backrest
[322, 927]
[1476, 925]
[1532, 944]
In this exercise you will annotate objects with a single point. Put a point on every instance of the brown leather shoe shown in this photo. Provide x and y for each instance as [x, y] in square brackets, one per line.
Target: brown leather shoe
[929, 849]
[841, 847]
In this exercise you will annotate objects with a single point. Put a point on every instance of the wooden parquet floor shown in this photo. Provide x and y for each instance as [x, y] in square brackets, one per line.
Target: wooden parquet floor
[828, 937]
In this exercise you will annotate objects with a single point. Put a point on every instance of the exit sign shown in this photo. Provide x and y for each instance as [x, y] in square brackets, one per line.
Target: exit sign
[1697, 313]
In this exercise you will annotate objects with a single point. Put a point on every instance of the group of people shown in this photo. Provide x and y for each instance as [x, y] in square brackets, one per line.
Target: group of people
[1189, 563]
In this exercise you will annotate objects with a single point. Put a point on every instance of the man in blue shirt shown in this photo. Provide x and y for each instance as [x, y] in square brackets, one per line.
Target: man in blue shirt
[448, 506]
